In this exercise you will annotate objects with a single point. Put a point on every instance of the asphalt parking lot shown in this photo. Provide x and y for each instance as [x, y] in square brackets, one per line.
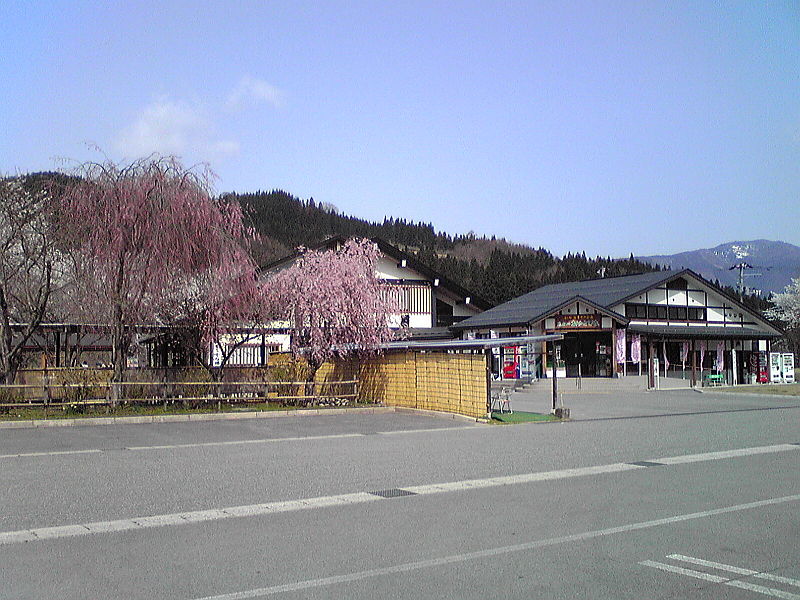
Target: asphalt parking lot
[408, 505]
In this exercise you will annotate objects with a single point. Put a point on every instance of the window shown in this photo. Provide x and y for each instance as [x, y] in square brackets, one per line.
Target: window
[636, 311]
[697, 314]
[677, 284]
[413, 299]
[677, 313]
[245, 355]
[656, 312]
[663, 312]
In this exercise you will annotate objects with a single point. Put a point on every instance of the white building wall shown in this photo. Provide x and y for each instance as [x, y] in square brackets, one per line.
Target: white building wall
[696, 299]
[388, 268]
[420, 320]
[676, 297]
[284, 340]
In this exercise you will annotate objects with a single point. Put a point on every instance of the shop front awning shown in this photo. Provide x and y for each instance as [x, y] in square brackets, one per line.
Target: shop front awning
[688, 332]
[479, 344]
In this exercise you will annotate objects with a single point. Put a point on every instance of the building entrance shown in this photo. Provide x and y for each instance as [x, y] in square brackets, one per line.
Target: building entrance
[587, 354]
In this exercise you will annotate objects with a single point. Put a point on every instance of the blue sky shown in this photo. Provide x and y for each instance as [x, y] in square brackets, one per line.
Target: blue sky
[605, 127]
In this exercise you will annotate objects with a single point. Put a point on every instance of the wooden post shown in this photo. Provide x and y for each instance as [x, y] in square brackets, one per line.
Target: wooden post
[488, 355]
[57, 349]
[613, 348]
[555, 376]
[694, 365]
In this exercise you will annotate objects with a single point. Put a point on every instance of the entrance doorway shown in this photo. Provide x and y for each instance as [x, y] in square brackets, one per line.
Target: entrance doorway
[587, 354]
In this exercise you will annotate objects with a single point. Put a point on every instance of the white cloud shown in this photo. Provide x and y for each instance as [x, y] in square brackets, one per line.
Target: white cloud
[170, 127]
[251, 91]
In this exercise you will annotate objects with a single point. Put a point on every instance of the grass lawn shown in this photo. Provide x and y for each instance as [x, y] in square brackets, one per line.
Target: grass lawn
[136, 410]
[779, 389]
[522, 417]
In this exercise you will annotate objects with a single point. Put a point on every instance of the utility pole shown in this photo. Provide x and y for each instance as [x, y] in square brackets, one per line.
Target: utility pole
[741, 268]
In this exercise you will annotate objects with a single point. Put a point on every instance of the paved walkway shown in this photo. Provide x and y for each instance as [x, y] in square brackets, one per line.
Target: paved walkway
[625, 401]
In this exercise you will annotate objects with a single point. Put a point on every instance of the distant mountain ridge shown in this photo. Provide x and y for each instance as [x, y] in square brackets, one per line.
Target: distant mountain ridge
[775, 263]
[492, 268]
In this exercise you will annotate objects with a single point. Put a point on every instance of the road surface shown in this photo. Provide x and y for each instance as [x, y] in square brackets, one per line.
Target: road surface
[658, 501]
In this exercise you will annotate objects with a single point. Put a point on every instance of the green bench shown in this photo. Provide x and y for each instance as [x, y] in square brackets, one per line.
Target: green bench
[715, 379]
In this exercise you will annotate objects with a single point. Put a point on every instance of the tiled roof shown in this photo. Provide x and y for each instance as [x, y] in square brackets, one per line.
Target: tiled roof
[534, 305]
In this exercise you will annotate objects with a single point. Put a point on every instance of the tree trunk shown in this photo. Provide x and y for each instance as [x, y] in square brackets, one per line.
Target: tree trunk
[7, 370]
[7, 361]
[313, 367]
[120, 343]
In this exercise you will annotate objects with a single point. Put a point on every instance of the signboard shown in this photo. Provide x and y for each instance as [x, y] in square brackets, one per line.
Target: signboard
[578, 321]
[775, 367]
[787, 367]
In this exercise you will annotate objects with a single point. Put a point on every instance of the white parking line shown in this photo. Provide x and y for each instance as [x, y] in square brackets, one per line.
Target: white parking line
[332, 436]
[682, 571]
[737, 570]
[723, 580]
[56, 453]
[307, 438]
[690, 458]
[459, 428]
[457, 486]
[11, 537]
[492, 552]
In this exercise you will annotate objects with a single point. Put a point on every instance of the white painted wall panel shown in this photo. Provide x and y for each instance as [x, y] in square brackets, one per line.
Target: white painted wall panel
[677, 297]
[696, 298]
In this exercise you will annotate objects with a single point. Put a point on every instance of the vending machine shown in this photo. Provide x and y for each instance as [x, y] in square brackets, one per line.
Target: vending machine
[763, 367]
[787, 367]
[511, 359]
[775, 361]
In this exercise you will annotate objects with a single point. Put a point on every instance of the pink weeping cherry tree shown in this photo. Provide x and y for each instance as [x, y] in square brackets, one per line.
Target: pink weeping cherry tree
[147, 236]
[217, 311]
[335, 304]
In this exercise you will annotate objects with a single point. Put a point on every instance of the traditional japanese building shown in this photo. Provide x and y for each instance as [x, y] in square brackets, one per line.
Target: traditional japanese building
[429, 302]
[614, 326]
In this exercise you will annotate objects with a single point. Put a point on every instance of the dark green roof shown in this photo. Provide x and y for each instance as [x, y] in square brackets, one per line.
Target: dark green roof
[606, 293]
[716, 332]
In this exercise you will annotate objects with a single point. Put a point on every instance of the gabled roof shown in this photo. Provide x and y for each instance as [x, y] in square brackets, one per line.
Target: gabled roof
[606, 292]
[397, 254]
[535, 305]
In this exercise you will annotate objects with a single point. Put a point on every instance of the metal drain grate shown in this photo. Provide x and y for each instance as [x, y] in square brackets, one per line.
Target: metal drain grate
[646, 463]
[393, 493]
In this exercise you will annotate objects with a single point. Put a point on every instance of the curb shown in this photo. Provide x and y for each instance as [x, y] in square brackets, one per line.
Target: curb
[273, 414]
[501, 424]
[746, 394]
[434, 413]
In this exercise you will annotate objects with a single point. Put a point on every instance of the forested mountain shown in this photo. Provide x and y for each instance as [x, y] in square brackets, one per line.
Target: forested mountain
[495, 269]
[492, 268]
